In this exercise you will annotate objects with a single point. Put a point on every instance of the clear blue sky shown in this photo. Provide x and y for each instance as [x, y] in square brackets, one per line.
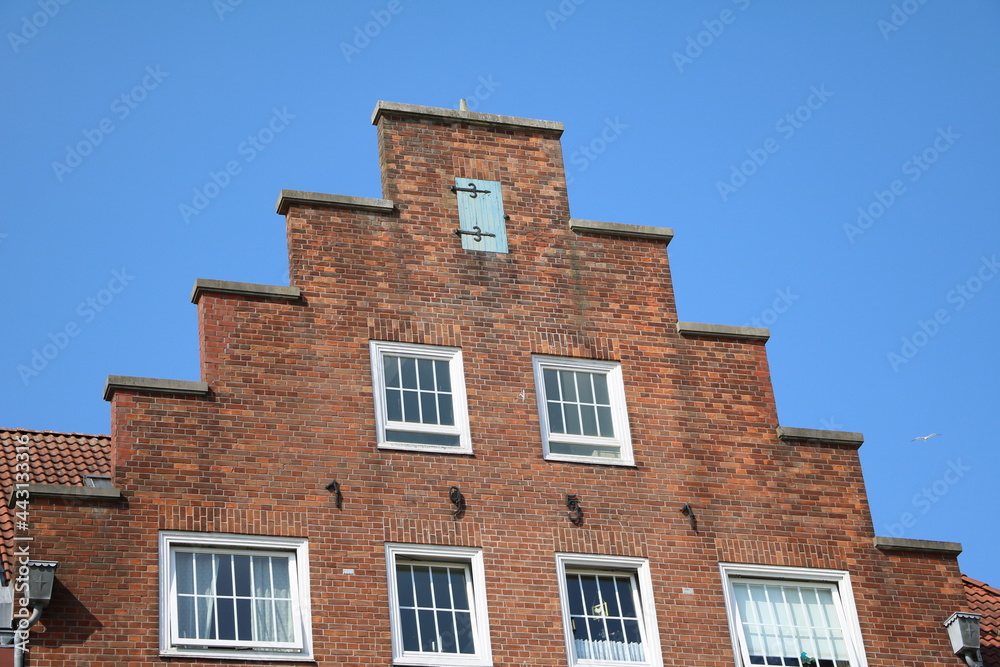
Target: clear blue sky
[757, 130]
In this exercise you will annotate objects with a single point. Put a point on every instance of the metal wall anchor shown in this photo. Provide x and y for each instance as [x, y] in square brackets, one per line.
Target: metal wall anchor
[472, 188]
[477, 234]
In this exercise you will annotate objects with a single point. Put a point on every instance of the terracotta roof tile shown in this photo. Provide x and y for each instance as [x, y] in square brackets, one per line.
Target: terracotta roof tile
[984, 599]
[56, 458]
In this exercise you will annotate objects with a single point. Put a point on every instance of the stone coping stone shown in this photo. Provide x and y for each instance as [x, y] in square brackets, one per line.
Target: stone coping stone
[474, 117]
[156, 385]
[819, 436]
[723, 331]
[919, 546]
[202, 285]
[619, 229]
[67, 491]
[289, 197]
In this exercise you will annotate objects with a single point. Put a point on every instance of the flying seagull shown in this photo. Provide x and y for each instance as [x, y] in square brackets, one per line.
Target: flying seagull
[924, 437]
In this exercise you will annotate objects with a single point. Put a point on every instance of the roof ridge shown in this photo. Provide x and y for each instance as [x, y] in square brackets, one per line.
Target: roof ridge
[45, 432]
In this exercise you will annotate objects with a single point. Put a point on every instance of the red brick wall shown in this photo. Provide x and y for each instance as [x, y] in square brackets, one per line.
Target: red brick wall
[291, 409]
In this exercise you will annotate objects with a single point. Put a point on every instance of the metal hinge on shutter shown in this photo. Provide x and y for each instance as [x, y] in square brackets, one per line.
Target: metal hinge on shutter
[482, 222]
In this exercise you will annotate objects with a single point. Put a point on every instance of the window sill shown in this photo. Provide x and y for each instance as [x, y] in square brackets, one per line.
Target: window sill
[433, 449]
[238, 655]
[591, 460]
[436, 660]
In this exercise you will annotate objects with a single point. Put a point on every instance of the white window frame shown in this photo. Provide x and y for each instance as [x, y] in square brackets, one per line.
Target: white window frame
[460, 409]
[298, 551]
[621, 565]
[843, 598]
[472, 557]
[622, 439]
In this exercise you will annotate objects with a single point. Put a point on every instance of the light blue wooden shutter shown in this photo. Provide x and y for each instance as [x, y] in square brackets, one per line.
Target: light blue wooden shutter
[483, 210]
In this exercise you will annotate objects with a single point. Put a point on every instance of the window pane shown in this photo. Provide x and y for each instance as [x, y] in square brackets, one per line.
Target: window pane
[572, 415]
[423, 438]
[555, 418]
[575, 594]
[391, 365]
[184, 564]
[408, 370]
[244, 619]
[203, 574]
[428, 403]
[185, 617]
[224, 574]
[458, 584]
[601, 388]
[425, 373]
[588, 584]
[609, 594]
[227, 618]
[568, 383]
[394, 405]
[261, 576]
[442, 592]
[408, 622]
[443, 376]
[404, 585]
[466, 639]
[589, 417]
[445, 413]
[626, 596]
[446, 632]
[283, 621]
[551, 378]
[605, 426]
[206, 618]
[263, 621]
[422, 580]
[583, 383]
[241, 568]
[279, 572]
[428, 633]
[411, 407]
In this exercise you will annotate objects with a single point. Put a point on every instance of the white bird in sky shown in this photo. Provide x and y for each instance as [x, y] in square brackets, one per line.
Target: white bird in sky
[924, 437]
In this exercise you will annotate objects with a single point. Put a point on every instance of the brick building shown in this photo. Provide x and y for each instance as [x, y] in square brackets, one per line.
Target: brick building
[471, 432]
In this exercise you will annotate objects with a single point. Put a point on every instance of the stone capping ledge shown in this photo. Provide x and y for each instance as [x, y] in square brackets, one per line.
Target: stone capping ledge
[156, 385]
[723, 331]
[818, 436]
[67, 491]
[203, 285]
[619, 229]
[289, 197]
[918, 546]
[474, 117]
